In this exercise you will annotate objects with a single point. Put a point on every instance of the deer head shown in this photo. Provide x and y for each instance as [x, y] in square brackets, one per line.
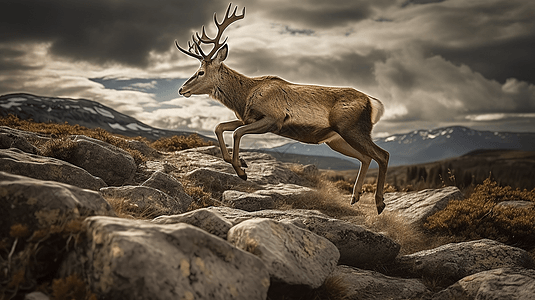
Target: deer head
[202, 82]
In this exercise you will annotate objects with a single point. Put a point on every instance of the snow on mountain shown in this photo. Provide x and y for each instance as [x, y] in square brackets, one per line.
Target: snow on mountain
[88, 113]
[422, 146]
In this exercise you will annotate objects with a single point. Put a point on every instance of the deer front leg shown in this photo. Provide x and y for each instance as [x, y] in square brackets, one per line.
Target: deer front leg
[263, 125]
[220, 128]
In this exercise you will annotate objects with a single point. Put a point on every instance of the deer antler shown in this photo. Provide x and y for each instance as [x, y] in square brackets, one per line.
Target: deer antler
[199, 54]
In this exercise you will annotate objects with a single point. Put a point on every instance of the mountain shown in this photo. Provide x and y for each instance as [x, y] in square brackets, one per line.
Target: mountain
[87, 113]
[421, 146]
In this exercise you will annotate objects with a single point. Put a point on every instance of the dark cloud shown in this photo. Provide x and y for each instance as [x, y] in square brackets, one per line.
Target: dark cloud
[103, 31]
[323, 14]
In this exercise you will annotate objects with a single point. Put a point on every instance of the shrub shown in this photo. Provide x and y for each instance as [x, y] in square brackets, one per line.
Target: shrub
[177, 143]
[479, 217]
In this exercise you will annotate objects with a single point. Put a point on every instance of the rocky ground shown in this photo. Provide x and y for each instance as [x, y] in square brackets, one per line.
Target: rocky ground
[60, 219]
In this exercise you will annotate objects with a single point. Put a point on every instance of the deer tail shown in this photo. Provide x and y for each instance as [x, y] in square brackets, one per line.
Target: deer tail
[377, 109]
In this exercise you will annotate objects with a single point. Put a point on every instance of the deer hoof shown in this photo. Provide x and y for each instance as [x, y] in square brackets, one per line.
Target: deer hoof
[243, 163]
[380, 208]
[244, 176]
[355, 199]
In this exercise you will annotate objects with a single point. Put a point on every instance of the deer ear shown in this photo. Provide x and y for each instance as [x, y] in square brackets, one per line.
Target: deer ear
[221, 54]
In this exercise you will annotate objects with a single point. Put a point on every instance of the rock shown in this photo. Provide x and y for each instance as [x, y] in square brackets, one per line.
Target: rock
[128, 259]
[36, 296]
[358, 246]
[11, 140]
[217, 182]
[115, 166]
[454, 261]
[502, 283]
[515, 204]
[203, 218]
[39, 204]
[143, 148]
[292, 255]
[154, 201]
[17, 162]
[236, 216]
[169, 185]
[371, 285]
[247, 201]
[418, 206]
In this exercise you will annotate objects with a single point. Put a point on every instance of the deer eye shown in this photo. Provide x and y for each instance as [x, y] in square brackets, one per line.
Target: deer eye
[201, 73]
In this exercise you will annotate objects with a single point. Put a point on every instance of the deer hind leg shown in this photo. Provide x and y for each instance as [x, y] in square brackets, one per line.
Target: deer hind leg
[364, 144]
[340, 145]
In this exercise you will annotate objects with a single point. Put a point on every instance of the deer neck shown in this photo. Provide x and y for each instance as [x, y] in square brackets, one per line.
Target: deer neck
[232, 89]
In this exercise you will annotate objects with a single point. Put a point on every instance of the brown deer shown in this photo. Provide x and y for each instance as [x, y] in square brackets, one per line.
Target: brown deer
[340, 117]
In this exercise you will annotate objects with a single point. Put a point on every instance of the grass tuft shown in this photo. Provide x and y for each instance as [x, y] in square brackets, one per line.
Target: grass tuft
[177, 143]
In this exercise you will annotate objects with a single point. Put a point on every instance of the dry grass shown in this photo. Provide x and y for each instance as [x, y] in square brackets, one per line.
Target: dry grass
[478, 216]
[177, 143]
[124, 209]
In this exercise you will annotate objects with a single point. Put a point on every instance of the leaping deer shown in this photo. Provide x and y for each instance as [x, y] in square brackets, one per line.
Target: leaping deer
[340, 117]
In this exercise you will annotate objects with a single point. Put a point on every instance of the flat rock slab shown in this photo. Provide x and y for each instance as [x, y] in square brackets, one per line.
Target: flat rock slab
[503, 283]
[39, 204]
[236, 216]
[128, 259]
[17, 162]
[203, 218]
[371, 285]
[358, 246]
[416, 207]
[292, 255]
[454, 261]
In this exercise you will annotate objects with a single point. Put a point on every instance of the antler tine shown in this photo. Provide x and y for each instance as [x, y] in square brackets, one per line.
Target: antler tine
[204, 38]
[188, 52]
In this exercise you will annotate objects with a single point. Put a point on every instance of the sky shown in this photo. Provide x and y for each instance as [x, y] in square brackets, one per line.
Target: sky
[432, 63]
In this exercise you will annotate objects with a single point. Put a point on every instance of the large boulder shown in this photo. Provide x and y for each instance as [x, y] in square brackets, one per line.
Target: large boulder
[416, 207]
[371, 285]
[502, 283]
[208, 220]
[451, 262]
[292, 255]
[115, 166]
[37, 204]
[17, 162]
[169, 185]
[217, 182]
[128, 259]
[151, 200]
[12, 138]
[358, 246]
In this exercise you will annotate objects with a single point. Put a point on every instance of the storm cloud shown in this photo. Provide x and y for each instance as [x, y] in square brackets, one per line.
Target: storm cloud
[433, 63]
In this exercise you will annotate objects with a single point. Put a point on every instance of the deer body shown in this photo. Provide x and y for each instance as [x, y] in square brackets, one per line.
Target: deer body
[340, 117]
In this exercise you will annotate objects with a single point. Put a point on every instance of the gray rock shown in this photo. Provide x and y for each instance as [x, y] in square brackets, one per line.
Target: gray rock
[38, 204]
[12, 140]
[169, 185]
[247, 201]
[292, 255]
[143, 148]
[371, 285]
[36, 296]
[503, 283]
[146, 198]
[515, 204]
[454, 261]
[127, 259]
[217, 182]
[236, 216]
[203, 218]
[416, 207]
[115, 166]
[17, 162]
[358, 246]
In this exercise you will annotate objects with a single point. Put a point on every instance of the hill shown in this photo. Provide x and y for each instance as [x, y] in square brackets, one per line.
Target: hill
[87, 113]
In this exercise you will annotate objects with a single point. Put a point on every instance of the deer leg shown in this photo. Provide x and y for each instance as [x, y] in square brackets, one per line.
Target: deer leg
[220, 128]
[263, 125]
[341, 146]
[364, 144]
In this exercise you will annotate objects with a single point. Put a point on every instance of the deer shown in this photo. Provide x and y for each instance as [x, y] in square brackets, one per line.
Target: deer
[341, 117]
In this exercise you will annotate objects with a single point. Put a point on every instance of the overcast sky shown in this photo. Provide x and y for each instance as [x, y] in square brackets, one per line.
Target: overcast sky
[432, 63]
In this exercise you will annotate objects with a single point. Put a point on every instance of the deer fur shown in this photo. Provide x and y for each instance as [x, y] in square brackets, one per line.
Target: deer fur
[340, 117]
